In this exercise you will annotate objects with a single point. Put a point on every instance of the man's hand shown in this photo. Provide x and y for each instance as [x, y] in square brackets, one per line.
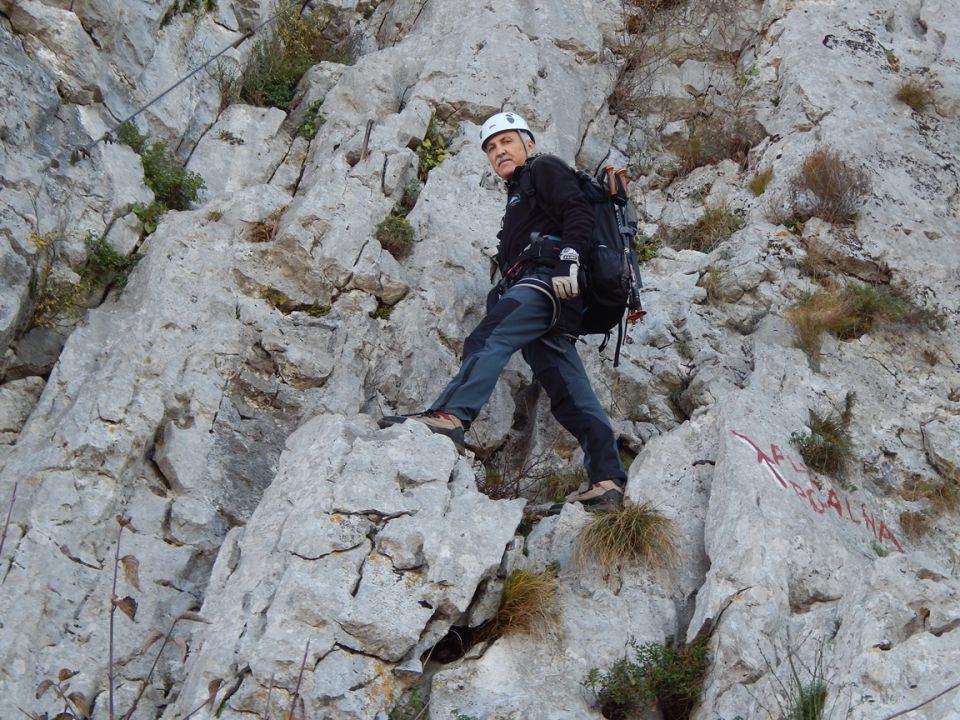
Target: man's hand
[565, 274]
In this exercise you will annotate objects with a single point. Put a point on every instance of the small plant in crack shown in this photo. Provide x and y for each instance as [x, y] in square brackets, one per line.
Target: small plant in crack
[828, 446]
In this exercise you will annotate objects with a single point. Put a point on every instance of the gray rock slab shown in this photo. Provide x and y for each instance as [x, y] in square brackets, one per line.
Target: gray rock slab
[306, 567]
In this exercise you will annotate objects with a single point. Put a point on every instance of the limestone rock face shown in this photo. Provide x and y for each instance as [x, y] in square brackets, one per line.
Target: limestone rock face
[352, 559]
[225, 400]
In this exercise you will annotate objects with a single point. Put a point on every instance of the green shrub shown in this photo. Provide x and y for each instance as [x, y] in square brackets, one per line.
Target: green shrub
[646, 247]
[277, 64]
[149, 215]
[174, 187]
[828, 446]
[312, 120]
[395, 235]
[172, 184]
[105, 266]
[670, 676]
[431, 151]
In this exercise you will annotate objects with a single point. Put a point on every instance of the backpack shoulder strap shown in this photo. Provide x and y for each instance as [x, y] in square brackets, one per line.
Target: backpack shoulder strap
[527, 189]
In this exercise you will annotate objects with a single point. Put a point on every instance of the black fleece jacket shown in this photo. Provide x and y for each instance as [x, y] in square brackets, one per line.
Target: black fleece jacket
[560, 209]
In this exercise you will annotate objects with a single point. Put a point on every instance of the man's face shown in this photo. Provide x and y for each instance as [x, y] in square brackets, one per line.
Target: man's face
[507, 151]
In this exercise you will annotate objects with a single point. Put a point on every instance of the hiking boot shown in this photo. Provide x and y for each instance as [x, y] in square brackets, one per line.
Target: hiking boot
[604, 495]
[439, 422]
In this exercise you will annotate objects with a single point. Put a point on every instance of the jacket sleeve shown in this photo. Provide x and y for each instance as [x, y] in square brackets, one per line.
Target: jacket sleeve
[559, 194]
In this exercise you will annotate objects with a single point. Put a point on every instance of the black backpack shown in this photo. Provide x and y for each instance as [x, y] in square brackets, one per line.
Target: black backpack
[609, 274]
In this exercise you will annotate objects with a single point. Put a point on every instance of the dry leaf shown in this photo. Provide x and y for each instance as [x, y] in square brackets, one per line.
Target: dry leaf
[43, 687]
[131, 570]
[151, 639]
[193, 617]
[81, 703]
[64, 716]
[182, 644]
[212, 690]
[128, 606]
[65, 674]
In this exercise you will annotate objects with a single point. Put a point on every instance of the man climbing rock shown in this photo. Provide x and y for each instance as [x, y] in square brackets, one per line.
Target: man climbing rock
[535, 308]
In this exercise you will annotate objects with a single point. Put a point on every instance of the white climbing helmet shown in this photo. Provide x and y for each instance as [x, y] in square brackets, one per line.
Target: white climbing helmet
[499, 123]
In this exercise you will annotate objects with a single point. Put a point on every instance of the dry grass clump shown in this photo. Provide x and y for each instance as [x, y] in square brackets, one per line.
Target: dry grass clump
[528, 603]
[829, 188]
[636, 534]
[942, 495]
[847, 312]
[717, 223]
[264, 229]
[828, 447]
[917, 92]
[758, 184]
[723, 135]
[914, 524]
[819, 259]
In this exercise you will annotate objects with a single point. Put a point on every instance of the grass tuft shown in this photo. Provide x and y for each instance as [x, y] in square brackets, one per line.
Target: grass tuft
[848, 312]
[758, 184]
[916, 92]
[828, 446]
[631, 534]
[528, 604]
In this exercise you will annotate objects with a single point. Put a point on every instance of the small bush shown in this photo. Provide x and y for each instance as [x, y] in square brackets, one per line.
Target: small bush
[631, 534]
[411, 193]
[396, 236]
[828, 446]
[758, 184]
[312, 120]
[277, 64]
[528, 603]
[720, 136]
[646, 247]
[671, 676]
[431, 151]
[916, 92]
[713, 227]
[829, 188]
[173, 185]
[105, 266]
[149, 215]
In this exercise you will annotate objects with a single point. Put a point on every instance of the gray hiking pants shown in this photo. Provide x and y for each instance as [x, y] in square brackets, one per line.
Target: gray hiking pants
[520, 320]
